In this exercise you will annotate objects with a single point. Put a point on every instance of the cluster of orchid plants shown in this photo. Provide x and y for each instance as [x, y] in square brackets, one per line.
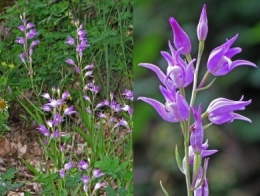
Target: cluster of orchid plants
[59, 139]
[55, 138]
[181, 73]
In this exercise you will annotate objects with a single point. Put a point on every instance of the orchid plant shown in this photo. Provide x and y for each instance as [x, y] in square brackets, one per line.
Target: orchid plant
[77, 139]
[179, 108]
[29, 33]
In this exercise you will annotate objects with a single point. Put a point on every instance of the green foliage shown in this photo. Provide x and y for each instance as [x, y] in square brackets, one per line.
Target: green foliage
[119, 192]
[118, 171]
[6, 181]
[109, 26]
[4, 115]
[3, 122]
[53, 25]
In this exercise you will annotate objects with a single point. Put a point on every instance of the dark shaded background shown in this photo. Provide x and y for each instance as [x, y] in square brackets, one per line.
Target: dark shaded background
[235, 169]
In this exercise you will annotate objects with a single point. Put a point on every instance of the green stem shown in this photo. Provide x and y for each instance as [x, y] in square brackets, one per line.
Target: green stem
[195, 81]
[188, 57]
[182, 91]
[187, 123]
[107, 71]
[187, 165]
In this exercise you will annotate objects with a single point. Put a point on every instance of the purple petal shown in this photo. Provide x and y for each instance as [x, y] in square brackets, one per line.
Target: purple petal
[65, 95]
[169, 96]
[46, 108]
[177, 74]
[233, 51]
[206, 153]
[197, 134]
[222, 105]
[214, 59]
[155, 69]
[70, 61]
[69, 111]
[182, 106]
[181, 39]
[22, 28]
[203, 189]
[171, 61]
[224, 118]
[29, 25]
[240, 117]
[85, 179]
[160, 108]
[230, 42]
[70, 41]
[189, 73]
[31, 34]
[241, 62]
[46, 95]
[97, 173]
[20, 40]
[34, 43]
[202, 28]
[221, 110]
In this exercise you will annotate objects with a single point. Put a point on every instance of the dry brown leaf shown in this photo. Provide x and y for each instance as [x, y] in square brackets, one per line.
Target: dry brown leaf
[34, 150]
[21, 150]
[15, 194]
[5, 147]
[80, 149]
[36, 163]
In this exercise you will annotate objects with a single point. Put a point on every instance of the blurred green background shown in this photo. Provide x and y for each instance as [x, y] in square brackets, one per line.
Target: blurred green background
[235, 169]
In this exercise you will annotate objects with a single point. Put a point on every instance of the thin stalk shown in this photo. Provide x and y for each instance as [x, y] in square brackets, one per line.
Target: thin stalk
[182, 91]
[121, 40]
[195, 81]
[204, 79]
[107, 70]
[187, 123]
[187, 165]
[188, 57]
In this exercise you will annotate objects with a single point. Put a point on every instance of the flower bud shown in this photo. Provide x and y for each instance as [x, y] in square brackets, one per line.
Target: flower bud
[202, 28]
[181, 39]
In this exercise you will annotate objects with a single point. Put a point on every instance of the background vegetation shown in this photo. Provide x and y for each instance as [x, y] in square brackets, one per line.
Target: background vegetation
[109, 32]
[234, 170]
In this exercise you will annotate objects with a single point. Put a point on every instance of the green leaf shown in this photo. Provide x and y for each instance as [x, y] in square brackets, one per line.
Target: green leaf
[178, 159]
[121, 191]
[110, 191]
[128, 176]
[31, 168]
[164, 191]
[76, 190]
[84, 135]
[123, 165]
[9, 174]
